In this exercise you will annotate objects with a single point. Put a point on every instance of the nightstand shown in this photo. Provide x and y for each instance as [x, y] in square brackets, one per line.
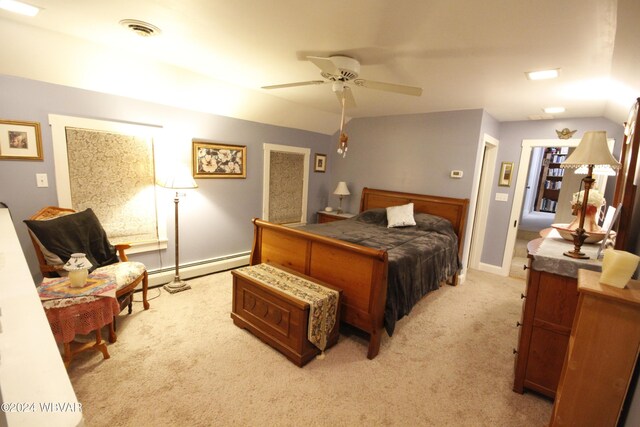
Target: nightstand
[324, 216]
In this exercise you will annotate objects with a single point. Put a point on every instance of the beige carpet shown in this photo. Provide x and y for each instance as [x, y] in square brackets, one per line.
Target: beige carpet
[184, 362]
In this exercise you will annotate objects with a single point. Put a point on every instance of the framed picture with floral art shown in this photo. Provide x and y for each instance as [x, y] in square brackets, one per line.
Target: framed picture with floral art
[320, 163]
[20, 140]
[213, 160]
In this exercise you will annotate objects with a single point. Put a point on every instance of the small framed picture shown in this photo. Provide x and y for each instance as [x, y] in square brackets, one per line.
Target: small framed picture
[20, 140]
[320, 163]
[212, 160]
[506, 170]
[609, 223]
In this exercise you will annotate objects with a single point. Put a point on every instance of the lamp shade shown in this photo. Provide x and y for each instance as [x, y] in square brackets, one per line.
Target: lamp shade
[179, 178]
[592, 150]
[341, 189]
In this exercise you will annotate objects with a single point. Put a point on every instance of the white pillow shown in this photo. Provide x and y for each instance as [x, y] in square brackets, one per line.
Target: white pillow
[400, 216]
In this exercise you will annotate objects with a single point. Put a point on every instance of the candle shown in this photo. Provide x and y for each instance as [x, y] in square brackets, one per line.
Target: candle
[618, 267]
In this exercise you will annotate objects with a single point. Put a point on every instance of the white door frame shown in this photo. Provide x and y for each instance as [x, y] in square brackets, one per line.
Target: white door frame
[521, 183]
[487, 165]
[268, 148]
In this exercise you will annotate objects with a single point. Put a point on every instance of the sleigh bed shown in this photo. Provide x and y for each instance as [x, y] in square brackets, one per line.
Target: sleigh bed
[363, 272]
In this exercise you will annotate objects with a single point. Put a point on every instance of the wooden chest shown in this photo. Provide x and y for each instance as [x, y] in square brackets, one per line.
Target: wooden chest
[276, 318]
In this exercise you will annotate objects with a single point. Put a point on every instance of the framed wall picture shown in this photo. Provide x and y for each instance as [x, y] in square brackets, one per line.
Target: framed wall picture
[506, 171]
[20, 140]
[320, 163]
[213, 160]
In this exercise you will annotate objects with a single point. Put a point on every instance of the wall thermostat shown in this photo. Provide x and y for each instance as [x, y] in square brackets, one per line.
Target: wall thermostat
[456, 174]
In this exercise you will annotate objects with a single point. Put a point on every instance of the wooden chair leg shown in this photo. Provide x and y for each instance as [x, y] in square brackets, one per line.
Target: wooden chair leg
[130, 304]
[145, 288]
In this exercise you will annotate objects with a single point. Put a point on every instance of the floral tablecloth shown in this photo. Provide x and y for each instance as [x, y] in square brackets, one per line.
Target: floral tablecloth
[72, 311]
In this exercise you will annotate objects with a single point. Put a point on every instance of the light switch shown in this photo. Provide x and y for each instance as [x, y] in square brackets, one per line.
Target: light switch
[502, 197]
[41, 180]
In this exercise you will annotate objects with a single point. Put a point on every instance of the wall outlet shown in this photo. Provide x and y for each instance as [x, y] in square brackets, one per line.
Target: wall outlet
[456, 174]
[41, 180]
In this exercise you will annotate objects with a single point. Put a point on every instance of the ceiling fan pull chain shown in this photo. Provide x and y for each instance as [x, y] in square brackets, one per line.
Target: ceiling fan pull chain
[342, 141]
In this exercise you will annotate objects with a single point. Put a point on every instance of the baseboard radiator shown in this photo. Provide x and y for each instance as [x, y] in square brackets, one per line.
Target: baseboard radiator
[162, 276]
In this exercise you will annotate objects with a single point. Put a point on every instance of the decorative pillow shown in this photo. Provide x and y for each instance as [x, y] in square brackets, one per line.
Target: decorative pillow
[77, 232]
[400, 216]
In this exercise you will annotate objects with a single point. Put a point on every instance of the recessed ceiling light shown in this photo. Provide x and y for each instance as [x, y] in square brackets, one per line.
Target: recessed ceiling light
[141, 28]
[19, 7]
[554, 110]
[543, 74]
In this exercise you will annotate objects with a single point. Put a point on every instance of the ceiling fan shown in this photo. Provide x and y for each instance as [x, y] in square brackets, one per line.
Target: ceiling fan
[340, 70]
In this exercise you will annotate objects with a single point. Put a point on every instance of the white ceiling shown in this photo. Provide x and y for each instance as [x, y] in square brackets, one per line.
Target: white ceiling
[215, 55]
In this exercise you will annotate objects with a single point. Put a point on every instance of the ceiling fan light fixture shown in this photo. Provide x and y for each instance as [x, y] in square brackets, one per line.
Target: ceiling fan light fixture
[543, 74]
[140, 28]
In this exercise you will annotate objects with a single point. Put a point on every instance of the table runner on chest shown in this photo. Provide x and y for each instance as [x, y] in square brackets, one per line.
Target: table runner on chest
[323, 302]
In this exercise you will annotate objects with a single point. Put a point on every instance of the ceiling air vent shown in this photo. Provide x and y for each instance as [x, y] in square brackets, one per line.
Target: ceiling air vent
[143, 29]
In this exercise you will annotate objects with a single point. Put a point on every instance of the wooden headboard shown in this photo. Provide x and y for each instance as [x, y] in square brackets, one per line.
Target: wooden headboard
[455, 210]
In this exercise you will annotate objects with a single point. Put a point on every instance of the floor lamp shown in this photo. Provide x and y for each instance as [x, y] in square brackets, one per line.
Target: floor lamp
[177, 181]
[591, 152]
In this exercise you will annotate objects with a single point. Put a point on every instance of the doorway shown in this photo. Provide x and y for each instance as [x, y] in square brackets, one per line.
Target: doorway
[285, 184]
[483, 198]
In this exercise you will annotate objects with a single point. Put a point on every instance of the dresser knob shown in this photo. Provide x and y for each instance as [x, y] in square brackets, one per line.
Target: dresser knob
[524, 267]
[515, 351]
[518, 324]
[522, 296]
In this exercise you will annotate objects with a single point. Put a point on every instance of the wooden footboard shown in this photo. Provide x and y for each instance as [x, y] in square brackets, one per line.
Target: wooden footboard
[359, 271]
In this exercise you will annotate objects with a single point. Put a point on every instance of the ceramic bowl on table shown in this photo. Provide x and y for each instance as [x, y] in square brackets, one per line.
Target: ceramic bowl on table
[592, 237]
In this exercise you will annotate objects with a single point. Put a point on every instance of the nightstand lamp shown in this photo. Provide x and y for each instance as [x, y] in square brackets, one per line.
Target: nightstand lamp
[341, 191]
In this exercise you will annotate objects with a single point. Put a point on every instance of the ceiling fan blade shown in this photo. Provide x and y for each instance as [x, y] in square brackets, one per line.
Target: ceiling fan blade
[325, 64]
[349, 100]
[389, 87]
[311, 82]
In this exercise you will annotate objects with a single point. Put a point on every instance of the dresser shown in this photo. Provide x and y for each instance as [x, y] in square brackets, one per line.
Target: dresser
[602, 354]
[548, 309]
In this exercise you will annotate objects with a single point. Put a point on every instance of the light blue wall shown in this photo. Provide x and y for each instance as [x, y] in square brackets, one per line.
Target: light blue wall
[412, 153]
[222, 228]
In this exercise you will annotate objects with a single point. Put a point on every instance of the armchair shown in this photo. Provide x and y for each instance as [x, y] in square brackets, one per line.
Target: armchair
[55, 241]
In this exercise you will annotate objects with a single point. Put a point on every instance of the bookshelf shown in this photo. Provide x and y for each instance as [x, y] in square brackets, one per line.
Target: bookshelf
[550, 180]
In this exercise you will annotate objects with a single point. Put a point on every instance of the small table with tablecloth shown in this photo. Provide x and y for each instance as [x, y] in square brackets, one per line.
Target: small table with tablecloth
[72, 311]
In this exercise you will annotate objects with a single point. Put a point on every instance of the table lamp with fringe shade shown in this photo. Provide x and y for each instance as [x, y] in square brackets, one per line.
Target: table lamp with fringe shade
[179, 179]
[592, 152]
